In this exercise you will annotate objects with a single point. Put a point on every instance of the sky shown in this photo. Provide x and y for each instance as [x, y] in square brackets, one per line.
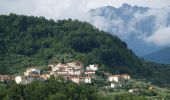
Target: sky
[59, 9]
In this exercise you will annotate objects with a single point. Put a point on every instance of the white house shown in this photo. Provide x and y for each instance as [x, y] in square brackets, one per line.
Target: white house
[134, 91]
[87, 80]
[32, 71]
[113, 85]
[19, 79]
[92, 67]
[113, 78]
[77, 72]
[55, 67]
[22, 80]
[125, 76]
[75, 79]
[75, 65]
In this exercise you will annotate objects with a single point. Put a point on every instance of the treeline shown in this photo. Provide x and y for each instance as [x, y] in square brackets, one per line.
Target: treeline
[55, 89]
[35, 41]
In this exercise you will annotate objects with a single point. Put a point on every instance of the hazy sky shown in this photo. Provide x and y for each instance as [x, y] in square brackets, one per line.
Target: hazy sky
[58, 9]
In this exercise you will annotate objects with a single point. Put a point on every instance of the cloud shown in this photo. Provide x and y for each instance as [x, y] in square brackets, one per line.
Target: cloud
[132, 23]
[146, 3]
[161, 37]
[58, 9]
[52, 9]
[161, 26]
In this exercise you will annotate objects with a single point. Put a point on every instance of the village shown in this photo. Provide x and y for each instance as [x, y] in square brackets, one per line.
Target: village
[72, 71]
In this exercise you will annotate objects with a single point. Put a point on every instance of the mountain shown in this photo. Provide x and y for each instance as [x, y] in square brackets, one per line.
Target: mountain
[36, 41]
[27, 41]
[133, 24]
[161, 56]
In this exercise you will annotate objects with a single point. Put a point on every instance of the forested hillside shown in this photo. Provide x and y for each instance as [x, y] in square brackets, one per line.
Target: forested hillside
[36, 41]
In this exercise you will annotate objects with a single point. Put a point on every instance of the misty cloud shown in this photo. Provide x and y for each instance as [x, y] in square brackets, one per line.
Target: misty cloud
[129, 22]
[161, 37]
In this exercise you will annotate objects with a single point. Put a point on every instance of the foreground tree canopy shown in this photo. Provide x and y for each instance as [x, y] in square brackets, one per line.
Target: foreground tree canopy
[55, 89]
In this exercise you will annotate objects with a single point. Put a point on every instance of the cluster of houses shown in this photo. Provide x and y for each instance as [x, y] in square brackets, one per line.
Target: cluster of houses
[4, 78]
[31, 74]
[117, 79]
[73, 71]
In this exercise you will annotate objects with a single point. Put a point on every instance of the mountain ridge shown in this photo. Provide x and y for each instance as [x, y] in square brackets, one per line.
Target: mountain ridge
[161, 56]
[133, 24]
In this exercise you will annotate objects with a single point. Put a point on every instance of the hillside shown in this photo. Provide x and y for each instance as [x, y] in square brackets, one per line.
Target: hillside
[35, 41]
[162, 56]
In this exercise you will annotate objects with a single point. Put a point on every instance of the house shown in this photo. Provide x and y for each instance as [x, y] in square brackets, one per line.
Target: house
[55, 67]
[28, 79]
[152, 88]
[45, 76]
[115, 78]
[125, 76]
[89, 72]
[87, 80]
[77, 72]
[32, 71]
[118, 78]
[5, 78]
[22, 80]
[33, 77]
[58, 67]
[134, 91]
[19, 79]
[92, 67]
[113, 85]
[75, 79]
[76, 65]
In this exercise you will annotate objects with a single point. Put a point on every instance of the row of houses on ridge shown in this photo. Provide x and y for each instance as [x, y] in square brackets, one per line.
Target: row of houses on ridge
[72, 71]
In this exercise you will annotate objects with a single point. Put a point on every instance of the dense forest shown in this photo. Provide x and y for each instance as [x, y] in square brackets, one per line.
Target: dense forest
[35, 41]
[27, 41]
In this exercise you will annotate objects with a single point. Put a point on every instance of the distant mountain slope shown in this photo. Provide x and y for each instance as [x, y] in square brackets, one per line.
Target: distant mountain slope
[161, 56]
[133, 24]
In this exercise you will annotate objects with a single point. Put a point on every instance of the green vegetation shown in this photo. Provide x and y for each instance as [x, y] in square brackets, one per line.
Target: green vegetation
[58, 89]
[52, 89]
[35, 41]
